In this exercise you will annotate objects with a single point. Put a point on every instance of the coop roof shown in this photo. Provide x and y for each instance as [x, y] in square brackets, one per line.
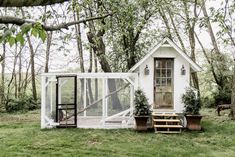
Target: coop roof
[166, 42]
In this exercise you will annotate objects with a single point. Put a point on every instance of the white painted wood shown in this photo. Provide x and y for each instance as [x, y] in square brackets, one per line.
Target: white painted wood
[155, 48]
[48, 123]
[146, 82]
[93, 75]
[106, 99]
[51, 96]
[120, 114]
[103, 100]
[43, 102]
[84, 97]
[130, 81]
[131, 96]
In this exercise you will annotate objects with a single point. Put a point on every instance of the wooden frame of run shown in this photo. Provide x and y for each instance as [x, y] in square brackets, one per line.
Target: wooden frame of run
[48, 81]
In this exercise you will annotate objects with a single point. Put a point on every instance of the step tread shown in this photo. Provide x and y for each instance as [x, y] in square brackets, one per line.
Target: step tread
[168, 126]
[166, 115]
[166, 120]
[113, 122]
[168, 132]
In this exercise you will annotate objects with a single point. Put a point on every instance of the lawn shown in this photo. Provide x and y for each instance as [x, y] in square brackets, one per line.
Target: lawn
[20, 135]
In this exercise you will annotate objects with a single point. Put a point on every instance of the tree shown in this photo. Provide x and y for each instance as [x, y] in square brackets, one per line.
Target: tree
[190, 27]
[96, 41]
[27, 3]
[127, 25]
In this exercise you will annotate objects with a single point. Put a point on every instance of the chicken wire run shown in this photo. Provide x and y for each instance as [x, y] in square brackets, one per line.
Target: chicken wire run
[88, 100]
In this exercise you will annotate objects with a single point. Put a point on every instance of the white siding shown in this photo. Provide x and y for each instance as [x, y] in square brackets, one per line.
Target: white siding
[180, 81]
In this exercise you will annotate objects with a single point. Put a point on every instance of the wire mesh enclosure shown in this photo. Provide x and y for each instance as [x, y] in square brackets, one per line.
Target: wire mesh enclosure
[88, 100]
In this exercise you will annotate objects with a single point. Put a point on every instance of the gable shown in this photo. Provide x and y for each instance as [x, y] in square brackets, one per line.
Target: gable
[167, 43]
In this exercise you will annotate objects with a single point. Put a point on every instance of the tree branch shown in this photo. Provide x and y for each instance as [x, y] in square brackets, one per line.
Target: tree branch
[28, 3]
[20, 21]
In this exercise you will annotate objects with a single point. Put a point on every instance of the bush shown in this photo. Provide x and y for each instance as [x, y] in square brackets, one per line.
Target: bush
[21, 104]
[223, 96]
[220, 96]
[142, 107]
[191, 102]
[208, 102]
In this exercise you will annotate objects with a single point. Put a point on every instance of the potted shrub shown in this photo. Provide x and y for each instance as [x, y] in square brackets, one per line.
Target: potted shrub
[192, 106]
[142, 110]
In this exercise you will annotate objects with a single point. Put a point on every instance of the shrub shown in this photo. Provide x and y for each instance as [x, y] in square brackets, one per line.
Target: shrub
[142, 107]
[21, 104]
[191, 102]
[223, 96]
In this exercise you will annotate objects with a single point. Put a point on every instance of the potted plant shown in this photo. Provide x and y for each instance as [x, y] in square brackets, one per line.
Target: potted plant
[192, 106]
[142, 110]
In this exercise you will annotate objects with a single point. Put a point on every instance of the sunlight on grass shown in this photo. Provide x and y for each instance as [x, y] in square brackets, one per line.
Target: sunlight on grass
[20, 135]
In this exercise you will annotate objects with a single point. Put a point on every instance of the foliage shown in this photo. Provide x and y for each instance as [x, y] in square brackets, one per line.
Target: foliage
[142, 107]
[13, 36]
[191, 102]
[127, 29]
[25, 103]
[215, 92]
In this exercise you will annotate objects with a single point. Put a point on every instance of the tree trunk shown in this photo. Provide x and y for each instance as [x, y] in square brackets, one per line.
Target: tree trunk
[8, 96]
[209, 27]
[190, 29]
[20, 74]
[91, 98]
[32, 53]
[99, 49]
[166, 21]
[96, 80]
[80, 51]
[98, 46]
[49, 39]
[34, 89]
[176, 31]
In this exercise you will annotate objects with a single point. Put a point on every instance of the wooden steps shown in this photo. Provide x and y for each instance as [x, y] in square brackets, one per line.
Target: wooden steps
[166, 120]
[166, 123]
[168, 126]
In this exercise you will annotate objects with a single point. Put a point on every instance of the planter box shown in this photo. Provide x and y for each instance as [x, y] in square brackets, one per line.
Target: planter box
[194, 122]
[141, 123]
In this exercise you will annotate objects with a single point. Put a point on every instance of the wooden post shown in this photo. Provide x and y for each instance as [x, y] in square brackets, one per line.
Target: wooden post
[84, 98]
[43, 103]
[131, 97]
[106, 99]
[103, 100]
[51, 96]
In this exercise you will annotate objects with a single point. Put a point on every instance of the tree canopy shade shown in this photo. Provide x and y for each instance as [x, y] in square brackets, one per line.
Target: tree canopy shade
[27, 3]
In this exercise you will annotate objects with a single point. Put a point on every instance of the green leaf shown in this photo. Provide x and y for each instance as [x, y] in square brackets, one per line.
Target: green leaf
[34, 32]
[7, 33]
[25, 28]
[11, 41]
[42, 35]
[20, 38]
[1, 38]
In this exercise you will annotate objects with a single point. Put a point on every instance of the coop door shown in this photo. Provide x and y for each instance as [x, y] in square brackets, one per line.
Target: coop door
[66, 101]
[163, 83]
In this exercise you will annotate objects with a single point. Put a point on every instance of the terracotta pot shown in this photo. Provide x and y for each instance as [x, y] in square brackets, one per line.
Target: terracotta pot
[194, 122]
[141, 123]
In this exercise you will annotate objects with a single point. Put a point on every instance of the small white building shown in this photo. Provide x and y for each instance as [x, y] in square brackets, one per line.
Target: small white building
[164, 74]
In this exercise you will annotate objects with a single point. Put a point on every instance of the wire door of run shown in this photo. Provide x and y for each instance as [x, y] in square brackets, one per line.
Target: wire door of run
[66, 101]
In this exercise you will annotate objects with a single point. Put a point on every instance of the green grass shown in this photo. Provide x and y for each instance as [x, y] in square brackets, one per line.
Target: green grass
[20, 135]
